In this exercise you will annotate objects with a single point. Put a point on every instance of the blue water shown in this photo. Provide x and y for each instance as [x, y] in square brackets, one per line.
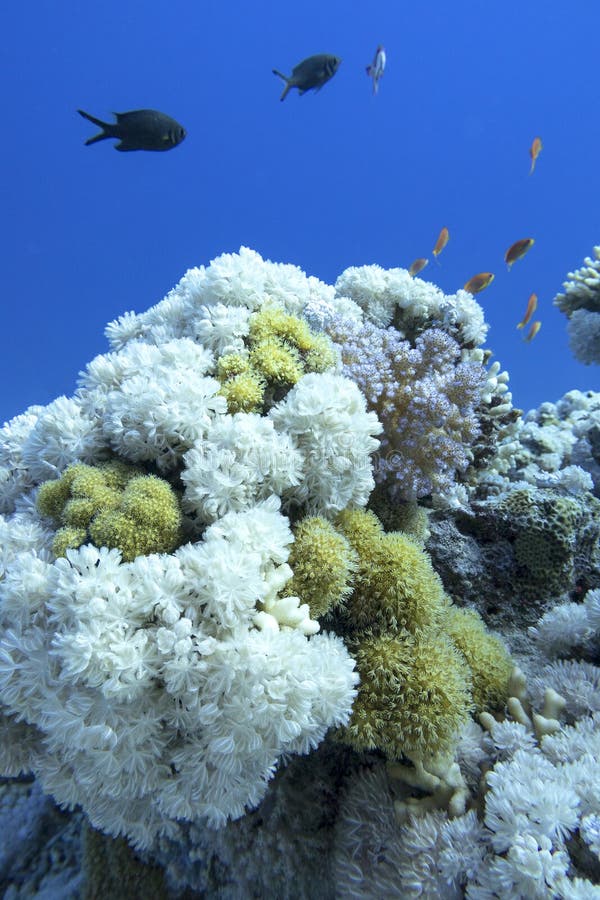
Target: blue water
[327, 180]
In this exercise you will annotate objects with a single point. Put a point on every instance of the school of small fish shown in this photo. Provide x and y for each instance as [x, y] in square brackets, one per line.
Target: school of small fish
[482, 280]
[149, 129]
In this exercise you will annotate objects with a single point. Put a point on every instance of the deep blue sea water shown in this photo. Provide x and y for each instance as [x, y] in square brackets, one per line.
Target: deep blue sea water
[325, 181]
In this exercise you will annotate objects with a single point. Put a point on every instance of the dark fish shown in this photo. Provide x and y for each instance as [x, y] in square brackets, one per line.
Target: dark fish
[311, 73]
[141, 129]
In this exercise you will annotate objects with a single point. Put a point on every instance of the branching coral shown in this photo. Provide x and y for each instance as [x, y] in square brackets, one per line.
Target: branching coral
[581, 303]
[425, 396]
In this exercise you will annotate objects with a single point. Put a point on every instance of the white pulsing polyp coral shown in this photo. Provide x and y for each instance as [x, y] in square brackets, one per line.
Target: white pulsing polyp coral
[242, 460]
[63, 433]
[158, 410]
[569, 625]
[15, 478]
[221, 328]
[394, 294]
[326, 417]
[158, 661]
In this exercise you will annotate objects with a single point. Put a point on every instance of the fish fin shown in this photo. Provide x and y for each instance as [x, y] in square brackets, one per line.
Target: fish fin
[122, 146]
[368, 70]
[107, 130]
[521, 325]
[288, 83]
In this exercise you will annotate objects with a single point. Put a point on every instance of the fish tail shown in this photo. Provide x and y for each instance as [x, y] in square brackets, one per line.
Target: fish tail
[287, 83]
[107, 130]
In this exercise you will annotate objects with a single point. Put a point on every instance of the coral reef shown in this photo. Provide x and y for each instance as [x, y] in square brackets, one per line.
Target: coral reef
[529, 542]
[246, 578]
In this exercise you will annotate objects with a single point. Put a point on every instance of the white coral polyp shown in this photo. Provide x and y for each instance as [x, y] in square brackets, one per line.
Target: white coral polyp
[63, 434]
[326, 417]
[162, 402]
[242, 460]
[147, 690]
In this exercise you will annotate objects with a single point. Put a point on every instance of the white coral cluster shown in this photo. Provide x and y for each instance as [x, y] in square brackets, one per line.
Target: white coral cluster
[169, 687]
[580, 301]
[387, 295]
[569, 626]
[144, 691]
[558, 438]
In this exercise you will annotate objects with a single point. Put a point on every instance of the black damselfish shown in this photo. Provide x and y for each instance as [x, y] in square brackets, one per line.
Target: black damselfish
[140, 129]
[310, 74]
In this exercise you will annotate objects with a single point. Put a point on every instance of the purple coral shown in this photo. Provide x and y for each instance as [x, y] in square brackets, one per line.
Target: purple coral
[424, 395]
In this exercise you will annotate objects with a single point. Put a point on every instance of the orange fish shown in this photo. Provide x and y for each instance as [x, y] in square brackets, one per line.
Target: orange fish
[441, 241]
[478, 282]
[531, 308]
[535, 327]
[417, 266]
[517, 250]
[534, 152]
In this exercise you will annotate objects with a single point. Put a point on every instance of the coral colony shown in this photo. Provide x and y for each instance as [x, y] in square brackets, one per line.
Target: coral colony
[287, 578]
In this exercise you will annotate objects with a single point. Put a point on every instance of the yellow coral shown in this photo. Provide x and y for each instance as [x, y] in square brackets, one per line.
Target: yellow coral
[244, 393]
[281, 348]
[276, 361]
[273, 321]
[68, 537]
[414, 694]
[486, 656]
[323, 563]
[113, 505]
[395, 585]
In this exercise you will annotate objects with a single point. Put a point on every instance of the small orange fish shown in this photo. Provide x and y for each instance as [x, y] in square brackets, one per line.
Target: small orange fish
[417, 266]
[478, 282]
[534, 152]
[441, 242]
[517, 250]
[535, 327]
[531, 308]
